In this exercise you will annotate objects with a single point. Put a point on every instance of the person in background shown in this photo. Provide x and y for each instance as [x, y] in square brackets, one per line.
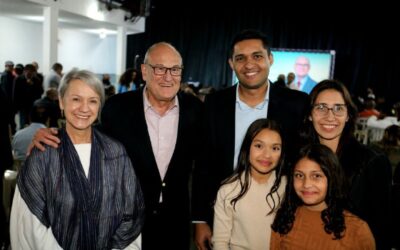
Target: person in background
[27, 89]
[52, 80]
[228, 114]
[39, 118]
[238, 223]
[106, 80]
[18, 69]
[50, 103]
[280, 81]
[330, 121]
[370, 94]
[160, 129]
[7, 79]
[390, 145]
[303, 80]
[7, 86]
[37, 73]
[313, 214]
[109, 91]
[188, 89]
[369, 109]
[203, 92]
[127, 81]
[83, 194]
[290, 81]
[137, 79]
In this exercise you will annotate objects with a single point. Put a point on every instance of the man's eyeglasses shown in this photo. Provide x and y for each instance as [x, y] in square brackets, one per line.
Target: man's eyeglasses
[302, 64]
[161, 70]
[322, 109]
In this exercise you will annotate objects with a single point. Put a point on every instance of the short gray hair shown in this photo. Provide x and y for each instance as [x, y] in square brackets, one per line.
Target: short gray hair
[85, 76]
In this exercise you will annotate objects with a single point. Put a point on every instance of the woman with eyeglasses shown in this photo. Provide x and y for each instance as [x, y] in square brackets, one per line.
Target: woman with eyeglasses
[330, 121]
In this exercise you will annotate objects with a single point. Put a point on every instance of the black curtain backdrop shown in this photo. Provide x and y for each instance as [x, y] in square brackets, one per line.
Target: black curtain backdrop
[364, 41]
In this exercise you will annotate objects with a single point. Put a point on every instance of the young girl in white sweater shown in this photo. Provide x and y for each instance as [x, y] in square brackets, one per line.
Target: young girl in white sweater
[246, 202]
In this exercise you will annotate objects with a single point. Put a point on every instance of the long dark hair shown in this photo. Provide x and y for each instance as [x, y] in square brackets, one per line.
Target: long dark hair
[244, 167]
[126, 77]
[336, 195]
[309, 134]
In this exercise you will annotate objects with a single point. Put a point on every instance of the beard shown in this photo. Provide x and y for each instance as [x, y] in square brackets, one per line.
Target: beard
[254, 85]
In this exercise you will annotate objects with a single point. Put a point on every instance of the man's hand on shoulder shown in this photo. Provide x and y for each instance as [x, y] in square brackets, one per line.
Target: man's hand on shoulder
[44, 136]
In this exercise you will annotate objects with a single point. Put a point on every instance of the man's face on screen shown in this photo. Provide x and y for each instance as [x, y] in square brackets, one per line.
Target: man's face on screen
[302, 66]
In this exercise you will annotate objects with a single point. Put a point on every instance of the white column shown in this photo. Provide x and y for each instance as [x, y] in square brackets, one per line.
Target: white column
[121, 50]
[50, 37]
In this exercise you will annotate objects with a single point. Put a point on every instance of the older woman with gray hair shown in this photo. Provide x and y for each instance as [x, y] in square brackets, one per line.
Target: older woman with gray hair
[83, 194]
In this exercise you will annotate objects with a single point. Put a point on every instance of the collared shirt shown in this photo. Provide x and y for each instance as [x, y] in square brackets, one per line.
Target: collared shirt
[244, 116]
[302, 83]
[23, 138]
[163, 131]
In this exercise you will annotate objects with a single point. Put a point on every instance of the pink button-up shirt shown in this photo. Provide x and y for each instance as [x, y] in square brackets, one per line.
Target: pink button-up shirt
[163, 131]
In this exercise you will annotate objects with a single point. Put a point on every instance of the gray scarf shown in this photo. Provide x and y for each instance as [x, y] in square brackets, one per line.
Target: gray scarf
[102, 211]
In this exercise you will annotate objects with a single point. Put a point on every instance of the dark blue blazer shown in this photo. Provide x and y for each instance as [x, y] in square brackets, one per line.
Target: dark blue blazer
[309, 85]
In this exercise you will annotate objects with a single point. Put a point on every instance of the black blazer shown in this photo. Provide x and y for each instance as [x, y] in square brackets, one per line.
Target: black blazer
[285, 106]
[369, 175]
[123, 118]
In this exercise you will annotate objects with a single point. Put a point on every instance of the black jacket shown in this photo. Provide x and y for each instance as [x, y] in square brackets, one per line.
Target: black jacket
[285, 106]
[369, 177]
[167, 224]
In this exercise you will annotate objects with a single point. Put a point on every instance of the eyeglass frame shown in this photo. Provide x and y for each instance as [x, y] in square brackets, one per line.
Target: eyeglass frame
[303, 64]
[320, 112]
[165, 70]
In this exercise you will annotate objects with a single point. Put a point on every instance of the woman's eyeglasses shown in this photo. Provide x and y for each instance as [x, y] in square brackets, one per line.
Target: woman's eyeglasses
[322, 109]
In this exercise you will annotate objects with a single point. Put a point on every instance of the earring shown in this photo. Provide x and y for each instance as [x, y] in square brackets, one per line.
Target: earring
[62, 113]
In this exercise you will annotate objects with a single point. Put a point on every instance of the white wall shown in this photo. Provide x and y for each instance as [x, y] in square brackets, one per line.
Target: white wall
[21, 42]
[87, 51]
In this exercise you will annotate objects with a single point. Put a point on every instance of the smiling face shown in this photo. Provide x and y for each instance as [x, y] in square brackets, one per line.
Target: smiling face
[81, 106]
[310, 184]
[251, 63]
[265, 152]
[329, 127]
[161, 88]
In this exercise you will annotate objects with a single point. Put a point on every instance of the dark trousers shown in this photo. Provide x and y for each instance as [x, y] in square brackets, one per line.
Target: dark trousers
[164, 229]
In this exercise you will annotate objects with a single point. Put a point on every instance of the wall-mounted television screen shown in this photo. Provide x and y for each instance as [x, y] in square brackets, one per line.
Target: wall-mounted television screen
[321, 63]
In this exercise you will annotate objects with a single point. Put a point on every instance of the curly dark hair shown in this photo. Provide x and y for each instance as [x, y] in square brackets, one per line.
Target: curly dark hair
[336, 196]
[244, 166]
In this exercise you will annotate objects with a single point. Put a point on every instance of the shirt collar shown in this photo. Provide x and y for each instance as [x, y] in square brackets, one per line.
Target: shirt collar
[148, 105]
[242, 105]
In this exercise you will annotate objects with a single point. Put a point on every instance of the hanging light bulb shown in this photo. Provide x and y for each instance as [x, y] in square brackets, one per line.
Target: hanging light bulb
[102, 34]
